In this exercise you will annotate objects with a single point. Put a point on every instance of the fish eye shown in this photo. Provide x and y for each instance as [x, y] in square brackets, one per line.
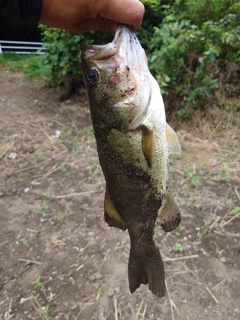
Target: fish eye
[93, 76]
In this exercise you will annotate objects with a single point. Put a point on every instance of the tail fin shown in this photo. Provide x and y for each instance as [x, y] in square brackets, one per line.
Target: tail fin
[145, 267]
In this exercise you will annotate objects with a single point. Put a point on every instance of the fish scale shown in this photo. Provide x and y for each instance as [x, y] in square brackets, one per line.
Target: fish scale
[133, 143]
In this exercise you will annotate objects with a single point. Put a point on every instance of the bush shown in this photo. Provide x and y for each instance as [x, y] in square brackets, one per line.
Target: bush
[63, 51]
[187, 42]
[186, 49]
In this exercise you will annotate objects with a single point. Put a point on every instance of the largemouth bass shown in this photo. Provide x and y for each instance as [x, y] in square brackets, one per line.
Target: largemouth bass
[133, 143]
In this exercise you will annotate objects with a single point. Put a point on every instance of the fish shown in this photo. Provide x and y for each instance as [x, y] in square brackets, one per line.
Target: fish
[133, 143]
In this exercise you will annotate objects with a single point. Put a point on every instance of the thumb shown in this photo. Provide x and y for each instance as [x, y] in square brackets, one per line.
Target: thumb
[121, 11]
[97, 23]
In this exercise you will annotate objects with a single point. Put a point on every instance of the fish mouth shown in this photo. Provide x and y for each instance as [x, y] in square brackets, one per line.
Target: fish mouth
[124, 56]
[124, 48]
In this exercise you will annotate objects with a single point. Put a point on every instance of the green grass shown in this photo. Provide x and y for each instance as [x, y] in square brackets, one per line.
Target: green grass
[24, 241]
[206, 223]
[224, 175]
[235, 211]
[179, 247]
[43, 209]
[31, 64]
[37, 283]
[46, 194]
[196, 180]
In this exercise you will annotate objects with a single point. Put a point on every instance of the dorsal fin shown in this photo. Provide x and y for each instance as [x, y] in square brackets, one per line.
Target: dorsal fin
[172, 140]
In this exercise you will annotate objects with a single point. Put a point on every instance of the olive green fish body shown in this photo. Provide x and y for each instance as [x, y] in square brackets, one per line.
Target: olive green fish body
[133, 142]
[137, 201]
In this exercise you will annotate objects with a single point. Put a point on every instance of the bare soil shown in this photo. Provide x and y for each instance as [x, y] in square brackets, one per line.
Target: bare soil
[60, 260]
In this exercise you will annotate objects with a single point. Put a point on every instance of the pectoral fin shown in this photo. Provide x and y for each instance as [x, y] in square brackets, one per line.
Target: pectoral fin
[169, 215]
[147, 144]
[172, 141]
[111, 215]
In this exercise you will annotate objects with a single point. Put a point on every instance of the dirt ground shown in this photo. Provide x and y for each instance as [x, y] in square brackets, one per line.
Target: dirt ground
[60, 260]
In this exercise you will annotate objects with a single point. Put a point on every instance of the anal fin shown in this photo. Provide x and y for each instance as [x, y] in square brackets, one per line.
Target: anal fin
[169, 214]
[111, 215]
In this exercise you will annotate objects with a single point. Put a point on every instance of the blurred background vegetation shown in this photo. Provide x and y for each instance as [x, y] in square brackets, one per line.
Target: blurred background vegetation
[193, 49]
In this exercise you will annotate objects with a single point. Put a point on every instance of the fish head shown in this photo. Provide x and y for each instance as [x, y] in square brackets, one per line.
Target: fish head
[117, 78]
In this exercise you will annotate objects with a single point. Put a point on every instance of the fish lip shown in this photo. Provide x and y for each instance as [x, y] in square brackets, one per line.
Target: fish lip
[125, 51]
[98, 52]
[122, 34]
[119, 46]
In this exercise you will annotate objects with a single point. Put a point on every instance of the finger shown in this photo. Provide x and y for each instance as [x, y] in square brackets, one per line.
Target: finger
[129, 12]
[98, 23]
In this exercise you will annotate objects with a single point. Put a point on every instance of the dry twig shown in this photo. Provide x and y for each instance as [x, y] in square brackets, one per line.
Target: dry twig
[181, 258]
[32, 230]
[50, 139]
[172, 303]
[38, 308]
[52, 296]
[144, 312]
[81, 309]
[218, 284]
[216, 127]
[8, 313]
[236, 191]
[39, 164]
[115, 308]
[30, 261]
[208, 228]
[6, 150]
[211, 294]
[237, 215]
[4, 242]
[230, 220]
[190, 175]
[48, 173]
[139, 309]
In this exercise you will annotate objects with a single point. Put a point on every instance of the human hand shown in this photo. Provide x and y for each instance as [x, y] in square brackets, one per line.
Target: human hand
[85, 15]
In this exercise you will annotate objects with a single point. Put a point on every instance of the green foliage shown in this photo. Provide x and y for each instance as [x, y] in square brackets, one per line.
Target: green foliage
[45, 310]
[37, 283]
[46, 194]
[235, 211]
[179, 247]
[31, 64]
[224, 175]
[43, 209]
[206, 223]
[211, 9]
[196, 180]
[24, 241]
[188, 44]
[63, 51]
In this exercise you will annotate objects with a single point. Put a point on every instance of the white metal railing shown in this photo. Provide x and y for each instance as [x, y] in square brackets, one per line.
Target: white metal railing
[22, 47]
